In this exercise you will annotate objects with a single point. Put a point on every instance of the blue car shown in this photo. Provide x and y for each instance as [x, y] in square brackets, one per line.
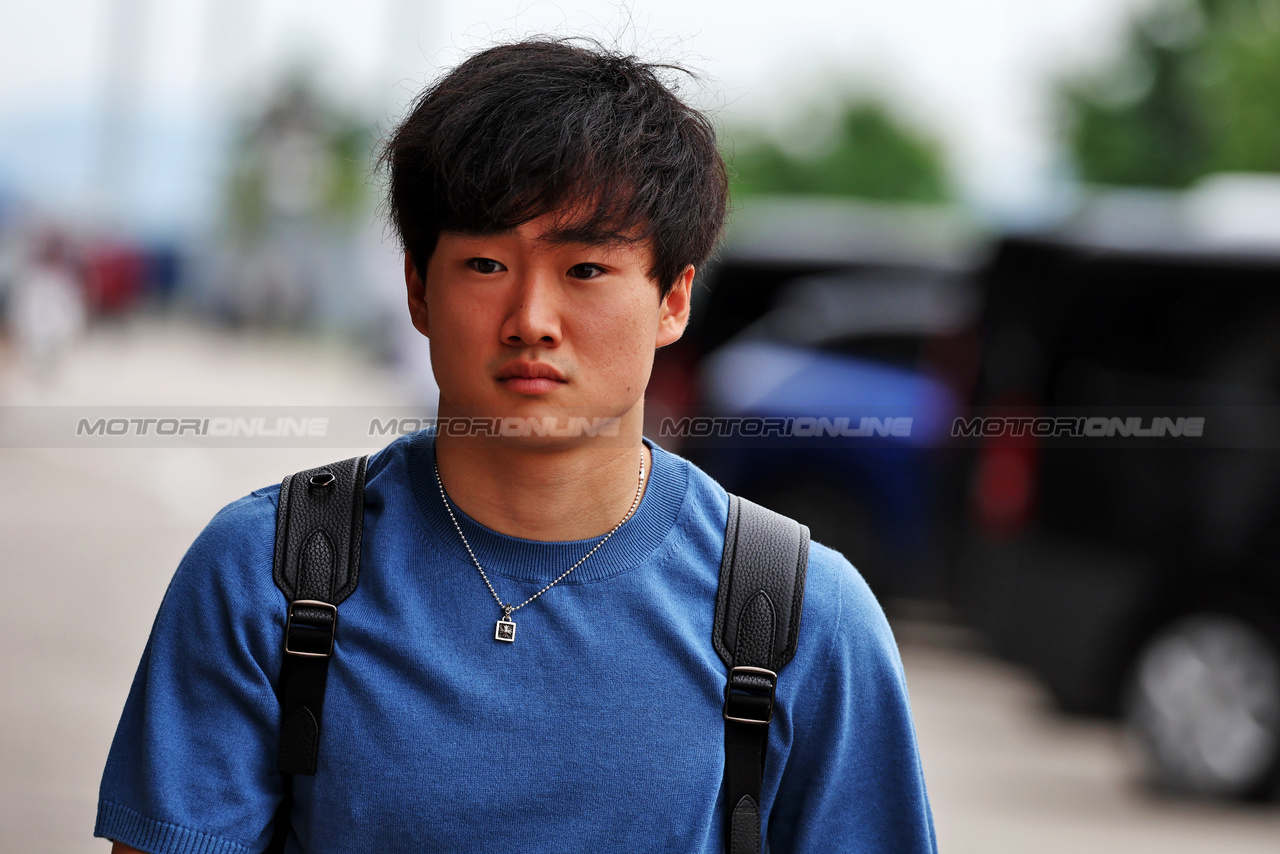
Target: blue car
[829, 408]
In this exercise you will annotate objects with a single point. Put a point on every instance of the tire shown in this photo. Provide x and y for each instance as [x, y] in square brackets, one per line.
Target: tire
[1203, 702]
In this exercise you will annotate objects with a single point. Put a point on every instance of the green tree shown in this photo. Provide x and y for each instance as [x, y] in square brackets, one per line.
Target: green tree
[869, 154]
[1241, 85]
[1196, 90]
[300, 158]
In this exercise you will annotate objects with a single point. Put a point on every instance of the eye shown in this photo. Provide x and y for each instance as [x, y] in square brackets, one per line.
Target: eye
[485, 265]
[586, 271]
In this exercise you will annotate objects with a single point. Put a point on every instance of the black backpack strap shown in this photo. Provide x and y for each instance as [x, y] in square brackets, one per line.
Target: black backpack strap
[319, 526]
[757, 624]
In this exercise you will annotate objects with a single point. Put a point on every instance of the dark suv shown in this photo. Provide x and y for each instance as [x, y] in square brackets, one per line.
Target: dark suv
[1125, 493]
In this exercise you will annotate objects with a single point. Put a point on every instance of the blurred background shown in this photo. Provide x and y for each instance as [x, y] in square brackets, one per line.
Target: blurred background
[1039, 214]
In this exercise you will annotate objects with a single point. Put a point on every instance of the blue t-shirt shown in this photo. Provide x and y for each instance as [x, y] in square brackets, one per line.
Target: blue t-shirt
[598, 730]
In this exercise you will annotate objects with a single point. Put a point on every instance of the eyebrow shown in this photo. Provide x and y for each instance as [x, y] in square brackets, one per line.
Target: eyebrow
[586, 237]
[582, 236]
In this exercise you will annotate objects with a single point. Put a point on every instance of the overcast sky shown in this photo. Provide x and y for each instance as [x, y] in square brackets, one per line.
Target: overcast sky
[973, 73]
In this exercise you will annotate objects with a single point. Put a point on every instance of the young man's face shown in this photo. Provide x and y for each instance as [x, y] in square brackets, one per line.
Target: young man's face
[527, 327]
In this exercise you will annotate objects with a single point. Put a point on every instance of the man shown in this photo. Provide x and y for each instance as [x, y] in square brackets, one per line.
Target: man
[527, 662]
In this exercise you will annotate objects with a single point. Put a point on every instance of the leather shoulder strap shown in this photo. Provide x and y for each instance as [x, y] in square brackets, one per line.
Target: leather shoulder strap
[762, 573]
[319, 528]
[756, 628]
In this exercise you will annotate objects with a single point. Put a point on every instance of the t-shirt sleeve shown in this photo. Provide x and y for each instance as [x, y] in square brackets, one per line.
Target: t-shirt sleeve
[192, 765]
[853, 780]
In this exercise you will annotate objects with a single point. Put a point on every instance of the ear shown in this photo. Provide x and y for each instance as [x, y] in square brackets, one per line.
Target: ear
[417, 293]
[674, 313]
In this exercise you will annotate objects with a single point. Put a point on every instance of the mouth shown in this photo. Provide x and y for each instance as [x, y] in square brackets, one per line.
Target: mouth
[523, 377]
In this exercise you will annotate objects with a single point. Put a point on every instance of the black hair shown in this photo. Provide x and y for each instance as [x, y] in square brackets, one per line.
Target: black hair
[520, 130]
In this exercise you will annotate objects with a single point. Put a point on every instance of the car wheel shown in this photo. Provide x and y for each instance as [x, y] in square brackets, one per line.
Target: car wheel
[1203, 702]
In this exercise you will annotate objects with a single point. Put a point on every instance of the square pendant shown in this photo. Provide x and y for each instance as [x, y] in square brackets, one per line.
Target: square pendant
[505, 631]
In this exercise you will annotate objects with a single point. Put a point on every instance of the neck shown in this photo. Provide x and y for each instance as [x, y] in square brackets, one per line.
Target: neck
[550, 493]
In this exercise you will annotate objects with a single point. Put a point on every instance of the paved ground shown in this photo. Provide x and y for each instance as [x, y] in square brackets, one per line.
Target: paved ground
[1008, 774]
[90, 537]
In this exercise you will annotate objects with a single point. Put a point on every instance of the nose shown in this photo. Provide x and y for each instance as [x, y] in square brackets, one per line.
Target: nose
[533, 318]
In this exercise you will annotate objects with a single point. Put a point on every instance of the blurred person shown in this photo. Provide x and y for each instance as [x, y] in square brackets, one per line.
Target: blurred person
[554, 201]
[46, 305]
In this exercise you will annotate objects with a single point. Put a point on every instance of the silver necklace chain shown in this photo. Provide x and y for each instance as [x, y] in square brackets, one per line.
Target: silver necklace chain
[508, 610]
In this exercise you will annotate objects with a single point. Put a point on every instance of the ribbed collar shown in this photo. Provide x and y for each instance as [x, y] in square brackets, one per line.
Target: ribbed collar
[537, 561]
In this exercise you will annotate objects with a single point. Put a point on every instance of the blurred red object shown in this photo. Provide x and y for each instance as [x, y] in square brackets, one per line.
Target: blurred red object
[115, 277]
[1005, 481]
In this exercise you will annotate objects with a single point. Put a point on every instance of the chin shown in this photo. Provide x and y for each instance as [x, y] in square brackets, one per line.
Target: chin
[533, 424]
